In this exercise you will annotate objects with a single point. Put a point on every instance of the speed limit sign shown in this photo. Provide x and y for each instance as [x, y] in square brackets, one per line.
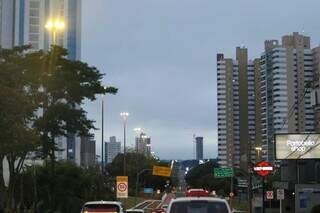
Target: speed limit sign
[122, 186]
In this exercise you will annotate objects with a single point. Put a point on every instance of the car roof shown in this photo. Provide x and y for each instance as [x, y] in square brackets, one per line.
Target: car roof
[198, 198]
[102, 202]
[209, 199]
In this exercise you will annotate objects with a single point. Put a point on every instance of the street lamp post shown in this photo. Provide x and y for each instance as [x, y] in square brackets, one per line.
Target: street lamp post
[124, 116]
[55, 26]
[102, 133]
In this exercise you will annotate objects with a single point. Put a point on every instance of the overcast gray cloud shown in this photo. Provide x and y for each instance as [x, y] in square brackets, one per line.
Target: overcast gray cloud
[161, 56]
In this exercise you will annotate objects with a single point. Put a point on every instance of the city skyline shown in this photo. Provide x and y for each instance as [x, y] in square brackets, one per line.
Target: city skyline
[165, 67]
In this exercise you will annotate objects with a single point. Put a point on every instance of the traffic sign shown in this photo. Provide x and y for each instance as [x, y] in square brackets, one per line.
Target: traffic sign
[243, 183]
[263, 168]
[231, 194]
[223, 172]
[280, 185]
[161, 171]
[280, 194]
[122, 186]
[269, 195]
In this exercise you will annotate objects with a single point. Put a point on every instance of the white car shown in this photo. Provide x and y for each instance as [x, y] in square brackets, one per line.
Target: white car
[102, 207]
[199, 205]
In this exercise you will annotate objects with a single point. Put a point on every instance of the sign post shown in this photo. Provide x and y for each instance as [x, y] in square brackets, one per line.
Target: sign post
[122, 186]
[263, 169]
[224, 173]
[280, 197]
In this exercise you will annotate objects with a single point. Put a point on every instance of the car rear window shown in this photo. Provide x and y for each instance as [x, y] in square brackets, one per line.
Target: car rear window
[198, 207]
[101, 208]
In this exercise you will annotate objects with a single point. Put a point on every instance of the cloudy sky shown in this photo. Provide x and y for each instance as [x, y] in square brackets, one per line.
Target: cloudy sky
[161, 54]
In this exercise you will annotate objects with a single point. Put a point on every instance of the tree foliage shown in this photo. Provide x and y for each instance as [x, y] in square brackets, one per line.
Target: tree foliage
[202, 176]
[73, 187]
[41, 97]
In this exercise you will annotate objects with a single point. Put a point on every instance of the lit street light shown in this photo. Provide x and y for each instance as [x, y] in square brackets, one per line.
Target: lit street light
[124, 116]
[55, 26]
[258, 149]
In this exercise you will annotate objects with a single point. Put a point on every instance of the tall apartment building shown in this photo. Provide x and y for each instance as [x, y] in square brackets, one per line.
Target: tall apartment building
[286, 76]
[236, 109]
[199, 148]
[143, 144]
[315, 98]
[112, 149]
[23, 22]
[88, 152]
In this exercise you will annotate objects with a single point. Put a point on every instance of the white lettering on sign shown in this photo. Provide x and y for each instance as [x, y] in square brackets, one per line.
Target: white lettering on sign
[263, 168]
[300, 145]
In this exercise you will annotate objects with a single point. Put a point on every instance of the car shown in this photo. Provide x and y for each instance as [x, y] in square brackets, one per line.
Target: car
[102, 207]
[134, 211]
[158, 210]
[199, 205]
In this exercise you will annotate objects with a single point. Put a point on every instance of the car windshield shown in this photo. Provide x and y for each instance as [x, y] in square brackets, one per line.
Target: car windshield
[101, 208]
[199, 207]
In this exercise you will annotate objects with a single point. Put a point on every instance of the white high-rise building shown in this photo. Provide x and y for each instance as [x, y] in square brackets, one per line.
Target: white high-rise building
[112, 149]
[143, 144]
[286, 80]
[23, 22]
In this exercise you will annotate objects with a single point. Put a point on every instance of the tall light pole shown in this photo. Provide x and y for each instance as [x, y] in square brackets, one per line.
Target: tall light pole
[124, 116]
[54, 26]
[102, 132]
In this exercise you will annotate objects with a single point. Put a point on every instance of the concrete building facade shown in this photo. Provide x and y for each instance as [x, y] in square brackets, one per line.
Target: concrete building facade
[236, 109]
[143, 144]
[23, 22]
[286, 74]
[88, 152]
[199, 148]
[112, 149]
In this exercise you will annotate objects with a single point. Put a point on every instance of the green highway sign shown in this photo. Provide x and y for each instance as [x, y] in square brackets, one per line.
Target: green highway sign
[223, 172]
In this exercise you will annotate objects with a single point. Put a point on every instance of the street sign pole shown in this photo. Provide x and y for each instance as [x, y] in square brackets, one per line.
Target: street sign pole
[263, 185]
[231, 190]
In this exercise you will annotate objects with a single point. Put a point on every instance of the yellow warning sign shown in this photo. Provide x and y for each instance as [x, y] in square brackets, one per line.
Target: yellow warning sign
[161, 171]
[122, 178]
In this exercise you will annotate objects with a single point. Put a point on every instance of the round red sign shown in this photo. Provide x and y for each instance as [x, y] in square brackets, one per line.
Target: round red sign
[122, 187]
[263, 168]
